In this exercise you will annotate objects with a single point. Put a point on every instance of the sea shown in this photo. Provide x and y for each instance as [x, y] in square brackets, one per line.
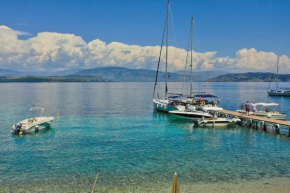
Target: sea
[111, 130]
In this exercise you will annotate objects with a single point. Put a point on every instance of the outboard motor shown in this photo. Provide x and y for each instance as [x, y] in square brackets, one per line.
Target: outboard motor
[18, 127]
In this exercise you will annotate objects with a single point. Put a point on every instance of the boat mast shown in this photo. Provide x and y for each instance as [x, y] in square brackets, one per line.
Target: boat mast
[191, 50]
[166, 73]
[277, 74]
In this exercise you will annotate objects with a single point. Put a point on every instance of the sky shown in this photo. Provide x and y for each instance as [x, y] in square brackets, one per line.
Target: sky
[229, 35]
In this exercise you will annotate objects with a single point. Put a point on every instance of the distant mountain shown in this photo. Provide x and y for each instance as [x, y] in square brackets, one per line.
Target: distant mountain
[141, 75]
[6, 72]
[126, 75]
[251, 77]
[55, 73]
[53, 79]
[203, 75]
[13, 73]
[103, 74]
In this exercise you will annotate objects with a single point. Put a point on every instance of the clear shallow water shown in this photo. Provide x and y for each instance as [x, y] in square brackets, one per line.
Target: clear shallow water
[111, 128]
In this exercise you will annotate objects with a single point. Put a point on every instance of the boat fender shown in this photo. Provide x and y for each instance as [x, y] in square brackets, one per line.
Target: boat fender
[261, 124]
[250, 122]
[18, 127]
[277, 128]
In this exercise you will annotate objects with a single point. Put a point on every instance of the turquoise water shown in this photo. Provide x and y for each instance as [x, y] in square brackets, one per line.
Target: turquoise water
[111, 129]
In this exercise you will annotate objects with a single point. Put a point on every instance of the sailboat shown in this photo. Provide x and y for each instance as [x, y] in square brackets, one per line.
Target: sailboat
[277, 91]
[200, 105]
[170, 101]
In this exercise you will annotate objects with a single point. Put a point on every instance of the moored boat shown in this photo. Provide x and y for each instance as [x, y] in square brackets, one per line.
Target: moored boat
[264, 110]
[278, 91]
[33, 124]
[217, 121]
[192, 112]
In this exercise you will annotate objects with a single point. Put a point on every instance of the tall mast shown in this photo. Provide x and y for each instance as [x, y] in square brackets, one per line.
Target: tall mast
[191, 50]
[277, 74]
[166, 73]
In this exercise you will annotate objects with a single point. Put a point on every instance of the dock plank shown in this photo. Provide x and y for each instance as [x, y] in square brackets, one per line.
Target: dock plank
[253, 117]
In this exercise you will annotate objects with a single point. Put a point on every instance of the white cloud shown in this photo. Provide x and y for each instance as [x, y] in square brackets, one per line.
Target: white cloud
[53, 51]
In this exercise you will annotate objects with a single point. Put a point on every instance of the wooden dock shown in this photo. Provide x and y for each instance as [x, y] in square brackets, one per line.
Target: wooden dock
[253, 117]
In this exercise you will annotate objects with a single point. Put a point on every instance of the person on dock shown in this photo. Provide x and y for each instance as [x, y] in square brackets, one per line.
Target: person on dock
[254, 107]
[248, 107]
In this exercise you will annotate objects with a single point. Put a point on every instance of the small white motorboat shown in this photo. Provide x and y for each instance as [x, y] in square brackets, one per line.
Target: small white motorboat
[192, 112]
[33, 124]
[264, 110]
[217, 121]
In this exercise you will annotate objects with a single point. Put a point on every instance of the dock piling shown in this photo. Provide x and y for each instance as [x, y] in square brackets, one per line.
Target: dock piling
[257, 122]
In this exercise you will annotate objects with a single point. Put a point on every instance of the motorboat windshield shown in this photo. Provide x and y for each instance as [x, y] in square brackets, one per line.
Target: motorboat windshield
[267, 107]
[35, 109]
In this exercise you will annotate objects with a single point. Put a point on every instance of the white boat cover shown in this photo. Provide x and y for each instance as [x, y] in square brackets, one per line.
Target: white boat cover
[266, 104]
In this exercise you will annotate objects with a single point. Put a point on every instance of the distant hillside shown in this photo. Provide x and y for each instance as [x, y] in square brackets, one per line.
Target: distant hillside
[55, 73]
[141, 75]
[203, 75]
[13, 73]
[250, 77]
[6, 72]
[103, 74]
[53, 79]
[127, 75]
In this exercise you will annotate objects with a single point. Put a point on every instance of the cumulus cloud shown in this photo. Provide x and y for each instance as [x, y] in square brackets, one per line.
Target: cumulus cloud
[55, 51]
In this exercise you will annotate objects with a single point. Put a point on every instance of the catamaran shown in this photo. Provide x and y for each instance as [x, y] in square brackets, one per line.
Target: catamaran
[278, 91]
[33, 124]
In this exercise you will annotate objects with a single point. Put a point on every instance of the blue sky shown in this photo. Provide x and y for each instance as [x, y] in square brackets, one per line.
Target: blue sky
[222, 26]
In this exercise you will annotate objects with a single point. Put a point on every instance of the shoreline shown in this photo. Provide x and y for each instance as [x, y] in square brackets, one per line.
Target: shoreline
[265, 185]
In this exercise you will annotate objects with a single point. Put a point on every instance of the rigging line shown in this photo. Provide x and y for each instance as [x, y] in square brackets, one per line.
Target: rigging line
[271, 77]
[191, 50]
[277, 74]
[166, 54]
[156, 78]
[195, 32]
[171, 17]
[186, 60]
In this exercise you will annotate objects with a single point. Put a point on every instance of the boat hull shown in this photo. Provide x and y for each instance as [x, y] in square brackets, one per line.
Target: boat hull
[164, 106]
[218, 121]
[269, 115]
[191, 115]
[32, 125]
[279, 94]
